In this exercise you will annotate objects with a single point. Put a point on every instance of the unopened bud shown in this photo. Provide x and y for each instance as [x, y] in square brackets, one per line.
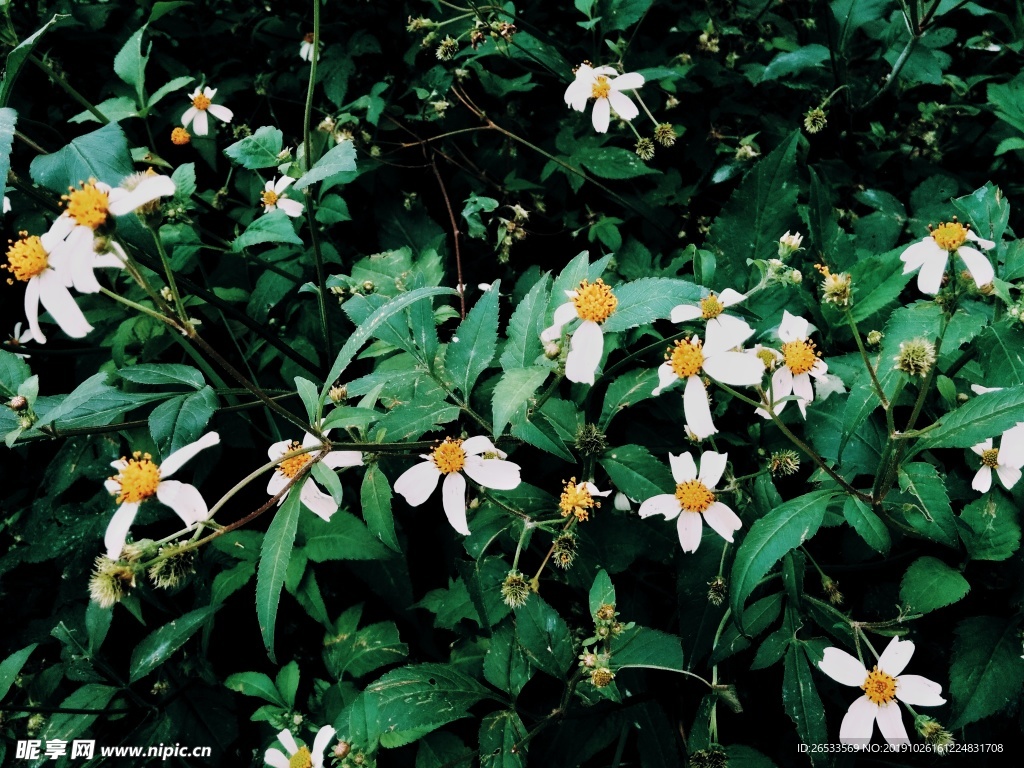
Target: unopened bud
[515, 590]
[18, 403]
[916, 357]
[789, 244]
[874, 338]
[552, 350]
[337, 393]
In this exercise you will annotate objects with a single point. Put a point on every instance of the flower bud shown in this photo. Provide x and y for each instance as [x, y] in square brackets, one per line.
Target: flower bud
[601, 677]
[337, 393]
[916, 357]
[874, 338]
[18, 403]
[515, 590]
[815, 120]
[552, 349]
[789, 244]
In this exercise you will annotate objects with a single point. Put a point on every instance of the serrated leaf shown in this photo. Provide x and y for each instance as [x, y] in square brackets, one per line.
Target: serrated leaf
[8, 122]
[95, 403]
[981, 417]
[544, 636]
[513, 391]
[795, 62]
[340, 159]
[160, 645]
[256, 684]
[130, 63]
[925, 503]
[987, 673]
[930, 584]
[756, 619]
[16, 58]
[989, 528]
[260, 150]
[310, 397]
[1001, 352]
[612, 163]
[500, 733]
[158, 374]
[525, 326]
[802, 703]
[344, 537]
[423, 696]
[168, 88]
[986, 210]
[648, 299]
[867, 524]
[275, 554]
[181, 420]
[13, 372]
[506, 666]
[475, 342]
[375, 496]
[602, 591]
[102, 154]
[65, 726]
[273, 227]
[649, 648]
[361, 652]
[635, 472]
[627, 390]
[11, 666]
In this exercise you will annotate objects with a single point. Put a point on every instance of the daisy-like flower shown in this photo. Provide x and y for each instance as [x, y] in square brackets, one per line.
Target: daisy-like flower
[42, 265]
[305, 49]
[476, 456]
[139, 479]
[18, 338]
[578, 499]
[202, 102]
[1007, 460]
[715, 357]
[800, 361]
[88, 210]
[694, 498]
[273, 197]
[299, 756]
[319, 503]
[931, 255]
[711, 309]
[605, 86]
[593, 303]
[882, 687]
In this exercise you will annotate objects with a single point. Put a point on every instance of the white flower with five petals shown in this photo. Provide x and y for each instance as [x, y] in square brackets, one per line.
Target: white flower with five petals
[202, 102]
[799, 362]
[593, 303]
[273, 197]
[315, 759]
[1007, 460]
[883, 686]
[931, 254]
[319, 503]
[605, 85]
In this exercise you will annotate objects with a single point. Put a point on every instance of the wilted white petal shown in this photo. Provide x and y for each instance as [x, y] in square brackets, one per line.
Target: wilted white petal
[337, 459]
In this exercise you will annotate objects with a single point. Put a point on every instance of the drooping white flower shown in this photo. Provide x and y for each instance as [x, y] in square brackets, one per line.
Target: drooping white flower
[273, 197]
[930, 255]
[18, 338]
[695, 498]
[451, 458]
[1007, 460]
[306, 48]
[299, 755]
[593, 303]
[883, 686]
[799, 361]
[711, 309]
[202, 102]
[605, 86]
[319, 503]
[139, 479]
[43, 266]
[689, 358]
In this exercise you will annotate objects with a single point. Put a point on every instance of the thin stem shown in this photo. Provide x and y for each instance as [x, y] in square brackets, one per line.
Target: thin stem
[59, 80]
[166, 261]
[140, 308]
[455, 239]
[867, 361]
[896, 69]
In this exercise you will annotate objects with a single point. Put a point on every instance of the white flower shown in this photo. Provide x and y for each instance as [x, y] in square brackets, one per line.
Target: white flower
[202, 102]
[688, 359]
[789, 244]
[42, 264]
[710, 308]
[694, 497]
[19, 338]
[88, 208]
[799, 361]
[273, 197]
[1007, 460]
[606, 86]
[305, 49]
[319, 503]
[140, 479]
[593, 303]
[314, 759]
[931, 255]
[882, 687]
[450, 458]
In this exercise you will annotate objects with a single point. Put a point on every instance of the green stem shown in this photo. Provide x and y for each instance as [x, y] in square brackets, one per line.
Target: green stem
[867, 362]
[59, 80]
[166, 261]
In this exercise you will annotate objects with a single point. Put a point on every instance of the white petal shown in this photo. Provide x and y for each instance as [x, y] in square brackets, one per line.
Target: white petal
[60, 304]
[895, 657]
[729, 297]
[117, 529]
[980, 390]
[479, 444]
[337, 459]
[986, 244]
[629, 81]
[189, 115]
[323, 738]
[453, 494]
[593, 491]
[920, 252]
[890, 723]
[735, 368]
[843, 667]
[929, 279]
[983, 480]
[278, 480]
[666, 378]
[603, 70]
[622, 104]
[792, 327]
[276, 758]
[802, 387]
[980, 448]
[493, 473]
[1011, 447]
[577, 93]
[689, 527]
[712, 466]
[722, 520]
[177, 460]
[727, 331]
[782, 383]
[79, 247]
[859, 722]
[978, 265]
[585, 350]
[418, 482]
[285, 736]
[112, 486]
[665, 504]
[32, 310]
[319, 503]
[601, 116]
[685, 312]
[278, 449]
[282, 184]
[184, 499]
[1009, 476]
[919, 691]
[292, 208]
[221, 112]
[683, 466]
[201, 124]
[564, 313]
[697, 408]
[149, 189]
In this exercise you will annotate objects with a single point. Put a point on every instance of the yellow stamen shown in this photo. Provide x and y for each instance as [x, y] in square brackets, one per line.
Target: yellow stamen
[799, 356]
[270, 197]
[449, 457]
[26, 258]
[694, 496]
[711, 307]
[291, 467]
[950, 235]
[990, 458]
[301, 759]
[879, 687]
[139, 479]
[766, 357]
[88, 205]
[595, 301]
[180, 136]
[687, 358]
[199, 101]
[601, 88]
[576, 500]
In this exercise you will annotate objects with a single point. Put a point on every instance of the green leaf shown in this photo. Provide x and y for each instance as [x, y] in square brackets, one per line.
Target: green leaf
[11, 666]
[780, 531]
[273, 227]
[130, 64]
[359, 652]
[1001, 348]
[8, 122]
[635, 472]
[514, 390]
[796, 62]
[987, 672]
[930, 584]
[645, 647]
[375, 496]
[611, 163]
[102, 154]
[867, 524]
[310, 397]
[525, 326]
[756, 619]
[260, 150]
[181, 420]
[544, 637]
[274, 557]
[256, 684]
[66, 725]
[801, 701]
[94, 403]
[925, 504]
[414, 418]
[986, 209]
[344, 537]
[473, 207]
[332, 210]
[168, 88]
[340, 159]
[506, 665]
[648, 299]
[981, 417]
[602, 591]
[627, 390]
[16, 58]
[622, 14]
[287, 682]
[475, 342]
[989, 528]
[423, 696]
[742, 756]
[500, 733]
[160, 645]
[158, 374]
[13, 373]
[1007, 101]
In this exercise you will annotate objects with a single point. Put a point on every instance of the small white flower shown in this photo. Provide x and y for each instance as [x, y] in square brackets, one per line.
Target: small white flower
[306, 48]
[140, 479]
[593, 303]
[202, 102]
[695, 498]
[931, 256]
[883, 686]
[273, 197]
[606, 86]
[789, 244]
[451, 458]
[711, 309]
[319, 503]
[1007, 460]
[18, 338]
[315, 759]
[800, 361]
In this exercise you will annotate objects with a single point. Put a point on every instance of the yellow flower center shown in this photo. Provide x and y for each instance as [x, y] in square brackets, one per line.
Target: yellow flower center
[711, 307]
[270, 197]
[291, 467]
[601, 88]
[88, 206]
[576, 500]
[687, 358]
[139, 479]
[301, 759]
[180, 136]
[949, 235]
[990, 458]
[800, 355]
[199, 101]
[694, 496]
[595, 301]
[449, 457]
[879, 687]
[766, 357]
[26, 258]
